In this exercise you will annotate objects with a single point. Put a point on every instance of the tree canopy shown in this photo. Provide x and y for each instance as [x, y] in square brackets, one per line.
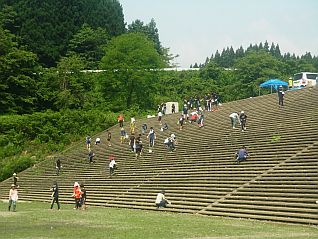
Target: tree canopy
[47, 26]
[131, 63]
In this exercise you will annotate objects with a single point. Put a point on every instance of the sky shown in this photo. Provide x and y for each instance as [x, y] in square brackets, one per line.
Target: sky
[195, 29]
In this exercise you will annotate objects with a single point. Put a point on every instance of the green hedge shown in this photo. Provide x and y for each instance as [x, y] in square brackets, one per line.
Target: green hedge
[26, 139]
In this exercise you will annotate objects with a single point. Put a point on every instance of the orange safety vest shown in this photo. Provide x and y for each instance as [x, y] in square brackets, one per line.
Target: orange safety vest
[77, 192]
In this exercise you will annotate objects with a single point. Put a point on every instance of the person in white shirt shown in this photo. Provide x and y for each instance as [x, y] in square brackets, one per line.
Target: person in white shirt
[234, 119]
[161, 200]
[159, 117]
[97, 141]
[112, 166]
[13, 197]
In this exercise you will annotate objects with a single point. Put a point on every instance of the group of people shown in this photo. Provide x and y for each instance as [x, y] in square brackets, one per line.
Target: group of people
[238, 118]
[135, 140]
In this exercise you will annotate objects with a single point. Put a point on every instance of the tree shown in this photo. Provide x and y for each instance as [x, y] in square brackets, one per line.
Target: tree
[88, 44]
[71, 82]
[131, 63]
[266, 46]
[18, 69]
[150, 30]
[255, 68]
[46, 26]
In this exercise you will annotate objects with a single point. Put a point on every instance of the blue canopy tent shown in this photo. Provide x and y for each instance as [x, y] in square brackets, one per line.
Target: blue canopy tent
[273, 83]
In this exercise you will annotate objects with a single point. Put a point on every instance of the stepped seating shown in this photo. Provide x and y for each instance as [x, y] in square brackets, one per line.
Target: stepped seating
[278, 182]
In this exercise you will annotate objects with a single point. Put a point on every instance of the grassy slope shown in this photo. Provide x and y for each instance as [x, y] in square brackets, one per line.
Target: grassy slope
[35, 220]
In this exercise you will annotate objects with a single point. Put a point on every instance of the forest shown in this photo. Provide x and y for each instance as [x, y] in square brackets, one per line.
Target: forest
[69, 67]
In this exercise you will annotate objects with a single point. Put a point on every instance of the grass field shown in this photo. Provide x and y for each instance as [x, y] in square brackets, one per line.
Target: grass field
[34, 220]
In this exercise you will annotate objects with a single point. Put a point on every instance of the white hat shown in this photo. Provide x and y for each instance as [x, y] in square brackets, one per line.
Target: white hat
[242, 112]
[76, 184]
[14, 174]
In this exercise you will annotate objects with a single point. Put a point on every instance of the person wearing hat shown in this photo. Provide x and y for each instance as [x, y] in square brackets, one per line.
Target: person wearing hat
[243, 118]
[13, 197]
[281, 94]
[161, 200]
[77, 194]
[15, 180]
[55, 195]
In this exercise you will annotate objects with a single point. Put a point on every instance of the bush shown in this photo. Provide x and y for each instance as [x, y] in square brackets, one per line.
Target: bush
[46, 132]
[15, 165]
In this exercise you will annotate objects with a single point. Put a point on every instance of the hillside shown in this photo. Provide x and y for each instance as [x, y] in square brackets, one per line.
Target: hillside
[278, 182]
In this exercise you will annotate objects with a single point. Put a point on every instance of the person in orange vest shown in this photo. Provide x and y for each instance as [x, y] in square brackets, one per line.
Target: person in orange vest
[120, 120]
[77, 194]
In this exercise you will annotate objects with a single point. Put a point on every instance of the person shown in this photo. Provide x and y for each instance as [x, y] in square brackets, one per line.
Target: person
[159, 117]
[55, 195]
[161, 200]
[112, 166]
[234, 119]
[173, 109]
[138, 147]
[132, 125]
[144, 128]
[170, 142]
[243, 118]
[201, 121]
[77, 194]
[97, 141]
[194, 117]
[109, 136]
[122, 135]
[58, 166]
[91, 156]
[164, 109]
[13, 197]
[181, 122]
[185, 111]
[88, 142]
[151, 136]
[241, 154]
[215, 98]
[281, 95]
[164, 127]
[83, 197]
[121, 120]
[132, 143]
[15, 180]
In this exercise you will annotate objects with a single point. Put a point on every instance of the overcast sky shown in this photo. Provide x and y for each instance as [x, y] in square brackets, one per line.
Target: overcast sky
[195, 29]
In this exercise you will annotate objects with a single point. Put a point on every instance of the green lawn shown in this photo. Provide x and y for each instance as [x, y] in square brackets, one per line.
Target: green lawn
[35, 220]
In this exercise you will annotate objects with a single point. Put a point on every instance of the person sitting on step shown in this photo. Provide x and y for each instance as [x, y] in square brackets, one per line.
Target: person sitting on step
[161, 200]
[241, 154]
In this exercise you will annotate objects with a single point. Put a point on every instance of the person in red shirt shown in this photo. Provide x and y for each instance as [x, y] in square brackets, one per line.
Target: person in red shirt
[77, 194]
[120, 120]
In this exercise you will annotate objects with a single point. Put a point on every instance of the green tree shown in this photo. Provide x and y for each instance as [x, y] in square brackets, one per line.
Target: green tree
[18, 83]
[72, 83]
[255, 68]
[131, 63]
[47, 26]
[88, 44]
[151, 31]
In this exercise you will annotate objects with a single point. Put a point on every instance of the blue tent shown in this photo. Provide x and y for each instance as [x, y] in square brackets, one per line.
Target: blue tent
[273, 83]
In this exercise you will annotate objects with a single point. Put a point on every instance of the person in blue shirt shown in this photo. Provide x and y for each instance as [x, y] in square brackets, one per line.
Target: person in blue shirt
[241, 154]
